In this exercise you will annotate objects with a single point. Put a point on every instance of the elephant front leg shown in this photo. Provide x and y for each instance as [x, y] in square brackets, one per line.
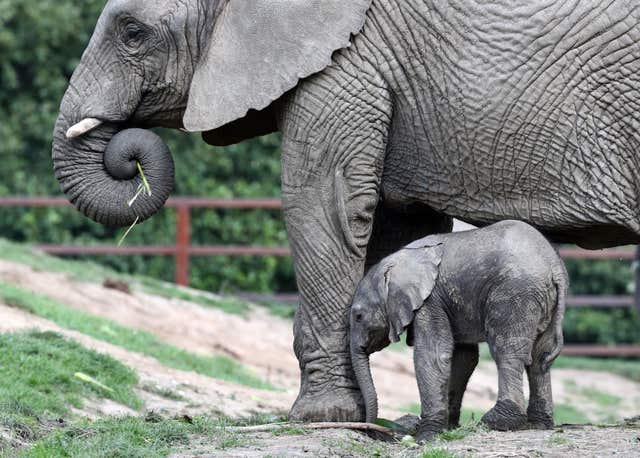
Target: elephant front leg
[433, 352]
[334, 144]
[328, 269]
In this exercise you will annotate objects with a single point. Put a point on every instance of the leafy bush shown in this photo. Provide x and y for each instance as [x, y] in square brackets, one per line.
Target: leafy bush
[601, 325]
[41, 43]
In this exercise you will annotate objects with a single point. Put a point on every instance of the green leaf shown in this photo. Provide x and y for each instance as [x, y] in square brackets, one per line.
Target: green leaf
[88, 379]
[392, 425]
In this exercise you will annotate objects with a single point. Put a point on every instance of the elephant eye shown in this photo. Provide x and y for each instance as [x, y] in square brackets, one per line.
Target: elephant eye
[132, 33]
[358, 317]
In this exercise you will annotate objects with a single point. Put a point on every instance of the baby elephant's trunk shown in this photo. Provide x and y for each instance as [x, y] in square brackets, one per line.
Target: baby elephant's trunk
[360, 363]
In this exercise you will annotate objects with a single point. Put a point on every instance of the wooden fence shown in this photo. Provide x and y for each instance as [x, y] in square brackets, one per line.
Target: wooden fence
[183, 250]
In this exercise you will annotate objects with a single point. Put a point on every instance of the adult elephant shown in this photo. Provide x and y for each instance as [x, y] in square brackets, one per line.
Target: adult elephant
[396, 115]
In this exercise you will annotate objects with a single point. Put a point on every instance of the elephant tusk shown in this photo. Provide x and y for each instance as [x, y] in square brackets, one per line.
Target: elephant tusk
[83, 127]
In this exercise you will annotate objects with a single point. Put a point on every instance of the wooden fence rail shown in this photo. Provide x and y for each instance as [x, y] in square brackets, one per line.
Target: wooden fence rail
[183, 250]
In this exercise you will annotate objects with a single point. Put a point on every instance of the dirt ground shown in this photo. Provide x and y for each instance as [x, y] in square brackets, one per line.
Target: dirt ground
[263, 343]
[566, 442]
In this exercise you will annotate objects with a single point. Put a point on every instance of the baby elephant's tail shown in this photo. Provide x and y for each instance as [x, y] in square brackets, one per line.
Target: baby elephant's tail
[560, 281]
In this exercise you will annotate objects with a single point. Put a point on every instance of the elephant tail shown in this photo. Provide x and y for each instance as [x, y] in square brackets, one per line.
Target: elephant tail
[561, 284]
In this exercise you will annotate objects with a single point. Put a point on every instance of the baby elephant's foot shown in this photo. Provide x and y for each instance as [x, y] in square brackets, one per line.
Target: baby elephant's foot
[538, 417]
[428, 430]
[409, 422]
[505, 416]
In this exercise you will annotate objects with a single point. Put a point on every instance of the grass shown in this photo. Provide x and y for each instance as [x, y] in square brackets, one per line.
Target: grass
[562, 413]
[95, 273]
[226, 304]
[287, 311]
[601, 398]
[38, 371]
[566, 414]
[436, 452]
[557, 439]
[628, 368]
[152, 436]
[163, 392]
[293, 430]
[218, 366]
[467, 416]
[39, 261]
[38, 386]
[624, 367]
[458, 433]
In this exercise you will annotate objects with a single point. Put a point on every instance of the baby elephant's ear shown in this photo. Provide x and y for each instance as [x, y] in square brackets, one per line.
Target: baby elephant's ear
[410, 281]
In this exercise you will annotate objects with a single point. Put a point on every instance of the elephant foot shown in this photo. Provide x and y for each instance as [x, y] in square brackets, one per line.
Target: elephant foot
[538, 416]
[330, 404]
[428, 429]
[454, 419]
[505, 416]
[409, 422]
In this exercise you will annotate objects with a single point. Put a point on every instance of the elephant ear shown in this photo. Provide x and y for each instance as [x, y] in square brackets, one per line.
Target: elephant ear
[410, 280]
[259, 49]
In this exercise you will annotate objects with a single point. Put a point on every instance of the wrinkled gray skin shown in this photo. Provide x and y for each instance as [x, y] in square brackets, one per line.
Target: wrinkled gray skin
[503, 284]
[396, 115]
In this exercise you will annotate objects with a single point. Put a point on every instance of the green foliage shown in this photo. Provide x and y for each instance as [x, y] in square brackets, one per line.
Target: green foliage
[41, 43]
[609, 326]
[604, 326]
[218, 366]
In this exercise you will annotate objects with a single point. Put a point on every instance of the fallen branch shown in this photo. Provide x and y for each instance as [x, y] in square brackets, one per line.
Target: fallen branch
[327, 425]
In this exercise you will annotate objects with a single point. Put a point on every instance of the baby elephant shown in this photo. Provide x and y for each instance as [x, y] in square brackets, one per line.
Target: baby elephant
[503, 284]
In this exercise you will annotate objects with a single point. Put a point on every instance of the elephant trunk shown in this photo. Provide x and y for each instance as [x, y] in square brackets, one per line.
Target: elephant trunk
[360, 364]
[98, 169]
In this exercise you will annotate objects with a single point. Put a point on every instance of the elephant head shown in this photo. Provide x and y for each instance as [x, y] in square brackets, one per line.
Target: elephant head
[212, 66]
[384, 306]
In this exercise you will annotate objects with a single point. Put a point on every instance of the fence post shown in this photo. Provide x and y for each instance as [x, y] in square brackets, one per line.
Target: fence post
[183, 241]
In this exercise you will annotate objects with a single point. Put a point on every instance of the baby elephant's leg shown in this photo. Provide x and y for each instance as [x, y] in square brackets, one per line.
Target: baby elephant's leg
[432, 354]
[540, 410]
[465, 360]
[510, 355]
[511, 326]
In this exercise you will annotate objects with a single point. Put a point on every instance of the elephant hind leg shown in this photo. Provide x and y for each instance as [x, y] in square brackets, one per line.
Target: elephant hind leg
[540, 409]
[509, 324]
[508, 413]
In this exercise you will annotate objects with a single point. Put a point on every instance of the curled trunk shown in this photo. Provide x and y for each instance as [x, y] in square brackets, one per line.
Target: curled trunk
[98, 171]
[360, 364]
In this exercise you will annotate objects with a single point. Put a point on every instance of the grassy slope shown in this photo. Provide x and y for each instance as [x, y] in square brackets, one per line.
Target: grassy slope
[88, 271]
[39, 385]
[218, 366]
[92, 272]
[31, 418]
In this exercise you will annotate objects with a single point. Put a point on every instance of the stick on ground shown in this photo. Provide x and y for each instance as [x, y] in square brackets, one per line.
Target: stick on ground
[328, 425]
